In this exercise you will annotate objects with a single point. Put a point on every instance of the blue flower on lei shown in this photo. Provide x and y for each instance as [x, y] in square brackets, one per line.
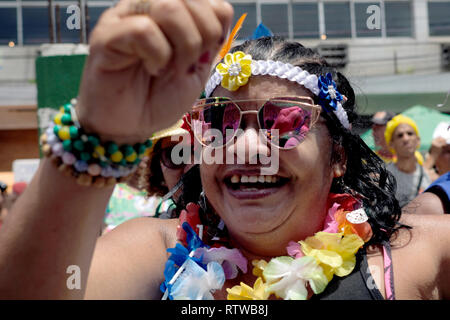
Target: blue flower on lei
[328, 96]
[169, 271]
[179, 256]
[193, 240]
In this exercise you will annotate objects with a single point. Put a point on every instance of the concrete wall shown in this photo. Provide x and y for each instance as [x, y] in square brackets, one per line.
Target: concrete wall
[17, 63]
[387, 58]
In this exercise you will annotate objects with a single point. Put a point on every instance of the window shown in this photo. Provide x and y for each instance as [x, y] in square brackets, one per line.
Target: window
[94, 14]
[35, 25]
[398, 18]
[337, 20]
[305, 18]
[8, 29]
[275, 17]
[66, 33]
[249, 25]
[365, 26]
[438, 18]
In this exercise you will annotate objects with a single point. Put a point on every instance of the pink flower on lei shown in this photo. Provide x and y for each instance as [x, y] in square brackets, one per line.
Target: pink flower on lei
[230, 259]
[294, 249]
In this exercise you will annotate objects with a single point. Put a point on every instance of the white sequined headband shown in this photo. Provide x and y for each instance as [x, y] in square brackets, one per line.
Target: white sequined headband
[238, 67]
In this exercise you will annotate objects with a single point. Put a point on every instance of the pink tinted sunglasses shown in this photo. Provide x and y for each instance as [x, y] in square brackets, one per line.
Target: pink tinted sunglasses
[285, 121]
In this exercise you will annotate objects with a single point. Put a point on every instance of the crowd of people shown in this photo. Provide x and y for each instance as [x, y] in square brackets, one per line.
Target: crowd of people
[314, 229]
[397, 141]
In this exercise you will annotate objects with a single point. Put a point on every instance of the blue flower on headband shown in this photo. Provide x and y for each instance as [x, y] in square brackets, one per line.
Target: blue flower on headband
[328, 96]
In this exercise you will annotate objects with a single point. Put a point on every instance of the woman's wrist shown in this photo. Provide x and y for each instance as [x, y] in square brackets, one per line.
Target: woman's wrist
[119, 133]
[86, 156]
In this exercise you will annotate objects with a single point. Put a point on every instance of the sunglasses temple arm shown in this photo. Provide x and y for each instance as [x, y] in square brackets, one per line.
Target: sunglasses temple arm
[169, 194]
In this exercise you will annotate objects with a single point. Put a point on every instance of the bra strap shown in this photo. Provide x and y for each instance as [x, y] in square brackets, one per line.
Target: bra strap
[388, 271]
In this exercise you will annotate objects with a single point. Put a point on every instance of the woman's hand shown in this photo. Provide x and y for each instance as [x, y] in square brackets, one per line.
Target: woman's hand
[145, 70]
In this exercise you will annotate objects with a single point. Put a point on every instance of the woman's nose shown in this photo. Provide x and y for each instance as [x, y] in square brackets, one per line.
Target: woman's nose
[250, 146]
[406, 137]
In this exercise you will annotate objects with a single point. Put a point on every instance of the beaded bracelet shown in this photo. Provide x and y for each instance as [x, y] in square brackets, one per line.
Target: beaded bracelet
[83, 156]
[88, 146]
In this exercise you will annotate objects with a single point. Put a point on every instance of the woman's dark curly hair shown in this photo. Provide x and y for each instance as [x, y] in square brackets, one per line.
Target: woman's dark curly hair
[149, 176]
[366, 175]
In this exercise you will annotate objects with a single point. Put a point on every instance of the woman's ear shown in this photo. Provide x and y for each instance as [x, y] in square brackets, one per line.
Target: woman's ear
[339, 161]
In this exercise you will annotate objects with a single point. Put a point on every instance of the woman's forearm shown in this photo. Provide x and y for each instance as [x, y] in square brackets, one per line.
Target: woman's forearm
[50, 235]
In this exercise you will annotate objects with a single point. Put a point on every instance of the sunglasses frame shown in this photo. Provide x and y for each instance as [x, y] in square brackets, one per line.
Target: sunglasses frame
[294, 99]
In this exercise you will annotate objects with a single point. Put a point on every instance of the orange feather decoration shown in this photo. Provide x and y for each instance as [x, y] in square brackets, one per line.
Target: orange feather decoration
[233, 35]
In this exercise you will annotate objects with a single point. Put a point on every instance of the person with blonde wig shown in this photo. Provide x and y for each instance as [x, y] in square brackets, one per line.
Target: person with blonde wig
[402, 136]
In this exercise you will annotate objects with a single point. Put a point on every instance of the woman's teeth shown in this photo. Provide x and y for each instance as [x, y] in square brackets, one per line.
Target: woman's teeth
[236, 179]
[254, 186]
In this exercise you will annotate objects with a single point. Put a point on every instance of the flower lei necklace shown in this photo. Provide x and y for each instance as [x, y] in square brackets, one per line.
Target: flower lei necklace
[195, 270]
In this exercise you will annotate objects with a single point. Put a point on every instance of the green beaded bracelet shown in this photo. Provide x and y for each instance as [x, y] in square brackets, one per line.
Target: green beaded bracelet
[88, 147]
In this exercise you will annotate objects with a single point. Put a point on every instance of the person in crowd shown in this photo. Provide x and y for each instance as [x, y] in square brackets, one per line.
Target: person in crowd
[161, 173]
[312, 228]
[436, 198]
[157, 174]
[379, 121]
[402, 136]
[437, 160]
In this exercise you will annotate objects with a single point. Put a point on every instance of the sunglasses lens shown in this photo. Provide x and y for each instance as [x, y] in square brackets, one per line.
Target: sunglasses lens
[286, 122]
[216, 123]
[166, 159]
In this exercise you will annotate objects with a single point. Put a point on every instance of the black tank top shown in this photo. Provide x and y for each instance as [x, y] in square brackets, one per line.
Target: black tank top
[359, 285]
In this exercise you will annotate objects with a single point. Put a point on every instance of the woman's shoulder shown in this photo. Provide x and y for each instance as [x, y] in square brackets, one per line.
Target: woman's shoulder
[136, 253]
[421, 257]
[148, 229]
[431, 232]
[427, 225]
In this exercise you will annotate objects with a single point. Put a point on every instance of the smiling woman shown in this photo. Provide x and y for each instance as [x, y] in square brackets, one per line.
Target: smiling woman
[314, 228]
[320, 157]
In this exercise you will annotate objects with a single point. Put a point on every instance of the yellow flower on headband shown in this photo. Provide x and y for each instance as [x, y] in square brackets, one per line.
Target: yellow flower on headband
[235, 70]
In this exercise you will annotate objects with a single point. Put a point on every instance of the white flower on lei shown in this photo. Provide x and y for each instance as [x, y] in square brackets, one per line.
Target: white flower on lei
[197, 284]
[288, 277]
